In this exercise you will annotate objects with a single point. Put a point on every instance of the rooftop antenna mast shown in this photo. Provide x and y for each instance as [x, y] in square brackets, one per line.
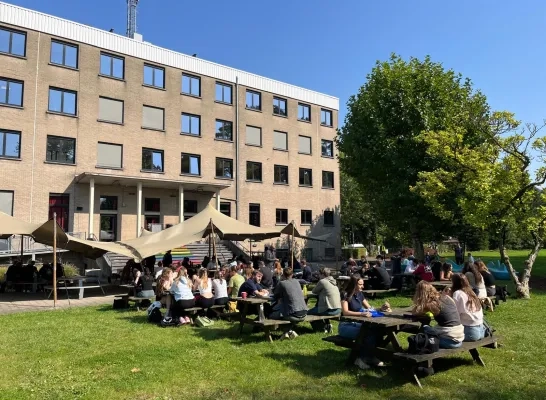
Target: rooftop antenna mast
[131, 18]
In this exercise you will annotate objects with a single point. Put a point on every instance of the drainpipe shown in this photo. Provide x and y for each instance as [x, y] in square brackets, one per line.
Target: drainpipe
[237, 147]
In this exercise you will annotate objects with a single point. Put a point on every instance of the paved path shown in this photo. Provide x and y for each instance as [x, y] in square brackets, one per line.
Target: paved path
[22, 302]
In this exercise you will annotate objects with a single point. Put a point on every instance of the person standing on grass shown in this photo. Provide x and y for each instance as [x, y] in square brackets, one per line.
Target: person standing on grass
[459, 254]
[291, 304]
[167, 258]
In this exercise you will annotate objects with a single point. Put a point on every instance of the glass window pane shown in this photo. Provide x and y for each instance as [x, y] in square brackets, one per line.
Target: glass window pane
[69, 105]
[71, 56]
[227, 94]
[146, 160]
[157, 161]
[17, 44]
[56, 53]
[105, 66]
[118, 67]
[195, 87]
[185, 124]
[185, 84]
[55, 100]
[12, 148]
[248, 99]
[148, 75]
[3, 92]
[185, 164]
[4, 41]
[15, 95]
[194, 165]
[158, 77]
[218, 95]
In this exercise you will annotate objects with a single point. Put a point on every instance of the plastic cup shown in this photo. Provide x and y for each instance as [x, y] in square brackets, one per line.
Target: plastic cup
[243, 295]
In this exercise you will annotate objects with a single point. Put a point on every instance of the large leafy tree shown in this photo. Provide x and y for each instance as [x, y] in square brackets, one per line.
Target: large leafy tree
[490, 183]
[380, 143]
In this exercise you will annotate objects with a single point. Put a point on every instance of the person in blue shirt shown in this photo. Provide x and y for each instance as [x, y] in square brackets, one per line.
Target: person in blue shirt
[252, 284]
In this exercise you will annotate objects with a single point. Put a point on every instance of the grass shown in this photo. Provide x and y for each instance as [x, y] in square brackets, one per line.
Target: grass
[99, 353]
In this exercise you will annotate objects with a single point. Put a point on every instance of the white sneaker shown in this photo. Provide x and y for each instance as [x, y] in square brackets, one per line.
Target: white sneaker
[375, 362]
[285, 335]
[292, 335]
[361, 364]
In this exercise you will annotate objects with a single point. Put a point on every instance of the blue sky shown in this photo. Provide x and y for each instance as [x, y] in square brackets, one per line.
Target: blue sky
[330, 46]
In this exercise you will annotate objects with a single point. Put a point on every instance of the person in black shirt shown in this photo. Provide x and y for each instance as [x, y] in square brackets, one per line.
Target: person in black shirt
[379, 278]
[488, 278]
[307, 271]
[144, 285]
[267, 275]
[167, 259]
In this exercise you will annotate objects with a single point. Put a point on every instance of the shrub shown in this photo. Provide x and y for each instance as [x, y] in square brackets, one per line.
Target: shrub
[3, 270]
[70, 270]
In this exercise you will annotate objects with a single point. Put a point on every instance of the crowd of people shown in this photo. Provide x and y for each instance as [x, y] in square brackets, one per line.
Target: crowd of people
[18, 275]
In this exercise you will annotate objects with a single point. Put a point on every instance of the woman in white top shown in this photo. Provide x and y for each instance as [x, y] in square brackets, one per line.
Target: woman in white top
[204, 285]
[219, 287]
[469, 308]
[475, 280]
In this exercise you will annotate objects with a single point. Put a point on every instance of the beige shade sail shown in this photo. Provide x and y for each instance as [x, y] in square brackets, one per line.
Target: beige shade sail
[12, 226]
[291, 229]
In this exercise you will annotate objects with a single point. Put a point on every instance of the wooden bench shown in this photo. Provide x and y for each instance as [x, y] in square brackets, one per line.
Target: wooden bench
[425, 360]
[80, 288]
[374, 292]
[269, 325]
[137, 300]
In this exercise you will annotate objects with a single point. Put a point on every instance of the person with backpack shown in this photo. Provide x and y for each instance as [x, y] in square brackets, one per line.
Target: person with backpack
[430, 304]
[469, 307]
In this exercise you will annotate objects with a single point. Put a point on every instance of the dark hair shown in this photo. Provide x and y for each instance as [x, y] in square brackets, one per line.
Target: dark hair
[352, 286]
[470, 267]
[446, 267]
[288, 272]
[460, 282]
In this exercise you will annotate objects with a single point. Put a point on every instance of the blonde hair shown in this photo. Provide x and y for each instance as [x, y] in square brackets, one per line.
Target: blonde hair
[481, 266]
[182, 273]
[278, 268]
[204, 278]
[426, 299]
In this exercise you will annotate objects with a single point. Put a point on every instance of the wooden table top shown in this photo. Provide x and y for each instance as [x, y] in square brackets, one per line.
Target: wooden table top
[441, 283]
[387, 321]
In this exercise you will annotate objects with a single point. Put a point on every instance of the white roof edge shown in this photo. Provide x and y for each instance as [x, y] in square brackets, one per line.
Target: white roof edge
[63, 28]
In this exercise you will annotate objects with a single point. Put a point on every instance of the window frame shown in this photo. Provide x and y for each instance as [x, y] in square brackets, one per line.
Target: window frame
[279, 214]
[253, 92]
[224, 85]
[10, 42]
[64, 44]
[275, 166]
[304, 105]
[64, 138]
[302, 170]
[150, 127]
[108, 197]
[3, 144]
[63, 91]
[310, 145]
[328, 173]
[228, 204]
[8, 81]
[12, 199]
[251, 212]
[190, 116]
[261, 136]
[162, 152]
[326, 111]
[254, 164]
[122, 111]
[121, 156]
[223, 160]
[190, 155]
[223, 122]
[147, 200]
[285, 137]
[191, 78]
[331, 142]
[303, 220]
[112, 56]
[280, 99]
[333, 218]
[153, 85]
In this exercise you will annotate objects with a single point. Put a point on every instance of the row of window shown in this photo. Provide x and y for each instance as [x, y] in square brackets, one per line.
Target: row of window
[113, 66]
[64, 101]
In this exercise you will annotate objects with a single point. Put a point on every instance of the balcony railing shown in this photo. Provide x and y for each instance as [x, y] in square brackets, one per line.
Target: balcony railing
[12, 245]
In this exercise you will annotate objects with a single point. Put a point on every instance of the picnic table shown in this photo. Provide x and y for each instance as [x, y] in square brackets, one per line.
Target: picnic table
[79, 280]
[441, 284]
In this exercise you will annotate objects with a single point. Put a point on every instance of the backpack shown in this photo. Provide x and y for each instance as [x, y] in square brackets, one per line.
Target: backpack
[155, 316]
[423, 343]
[488, 329]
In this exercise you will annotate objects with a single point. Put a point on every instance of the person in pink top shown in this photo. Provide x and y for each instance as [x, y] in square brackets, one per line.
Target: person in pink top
[424, 272]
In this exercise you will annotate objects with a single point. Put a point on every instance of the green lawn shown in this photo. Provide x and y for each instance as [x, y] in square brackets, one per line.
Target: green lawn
[99, 353]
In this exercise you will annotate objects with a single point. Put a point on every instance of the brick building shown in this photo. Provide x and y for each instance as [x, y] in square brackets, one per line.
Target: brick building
[136, 136]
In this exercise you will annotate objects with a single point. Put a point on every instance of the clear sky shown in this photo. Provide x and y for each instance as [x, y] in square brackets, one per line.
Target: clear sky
[330, 46]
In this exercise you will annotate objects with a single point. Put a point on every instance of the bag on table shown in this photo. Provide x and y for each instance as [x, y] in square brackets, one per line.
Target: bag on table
[423, 343]
[203, 322]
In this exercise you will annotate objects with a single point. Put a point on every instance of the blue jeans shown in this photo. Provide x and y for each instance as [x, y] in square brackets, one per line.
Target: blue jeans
[350, 330]
[474, 333]
[445, 343]
[331, 311]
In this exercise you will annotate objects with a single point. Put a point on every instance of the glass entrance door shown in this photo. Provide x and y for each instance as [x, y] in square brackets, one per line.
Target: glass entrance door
[108, 227]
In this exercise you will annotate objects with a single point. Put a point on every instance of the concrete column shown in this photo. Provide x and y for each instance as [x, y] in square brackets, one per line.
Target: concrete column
[181, 203]
[91, 208]
[218, 200]
[139, 210]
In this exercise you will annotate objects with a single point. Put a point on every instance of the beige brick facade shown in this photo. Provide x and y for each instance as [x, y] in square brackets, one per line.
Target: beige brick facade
[32, 179]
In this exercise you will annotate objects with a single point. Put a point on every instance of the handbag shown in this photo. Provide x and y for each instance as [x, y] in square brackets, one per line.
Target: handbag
[423, 343]
[203, 322]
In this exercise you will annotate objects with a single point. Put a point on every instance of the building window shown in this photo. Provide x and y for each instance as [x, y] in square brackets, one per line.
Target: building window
[109, 155]
[253, 100]
[6, 202]
[281, 216]
[306, 217]
[327, 179]
[254, 214]
[108, 203]
[153, 118]
[330, 252]
[304, 112]
[152, 160]
[253, 171]
[191, 85]
[328, 218]
[224, 168]
[11, 92]
[112, 66]
[10, 144]
[191, 164]
[64, 54]
[110, 110]
[225, 208]
[325, 117]
[279, 106]
[280, 140]
[108, 227]
[280, 173]
[253, 136]
[13, 42]
[152, 205]
[62, 101]
[224, 130]
[304, 145]
[190, 207]
[191, 124]
[154, 76]
[59, 204]
[223, 93]
[61, 150]
[327, 148]
[306, 177]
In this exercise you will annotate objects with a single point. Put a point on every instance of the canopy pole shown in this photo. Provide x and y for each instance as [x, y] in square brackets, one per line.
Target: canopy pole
[55, 260]
[209, 247]
[250, 248]
[214, 245]
[22, 249]
[292, 248]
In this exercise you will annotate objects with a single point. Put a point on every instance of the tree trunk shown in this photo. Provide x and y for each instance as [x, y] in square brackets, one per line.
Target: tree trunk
[419, 250]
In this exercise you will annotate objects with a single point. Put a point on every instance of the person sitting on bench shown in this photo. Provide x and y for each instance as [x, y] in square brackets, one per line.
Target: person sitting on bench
[252, 284]
[470, 270]
[291, 305]
[203, 284]
[379, 278]
[488, 278]
[469, 308]
[219, 286]
[447, 272]
[353, 303]
[164, 284]
[329, 300]
[183, 295]
[144, 285]
[424, 272]
[428, 303]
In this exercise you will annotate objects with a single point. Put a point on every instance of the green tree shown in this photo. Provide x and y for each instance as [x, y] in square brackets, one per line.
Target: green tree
[380, 144]
[491, 184]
